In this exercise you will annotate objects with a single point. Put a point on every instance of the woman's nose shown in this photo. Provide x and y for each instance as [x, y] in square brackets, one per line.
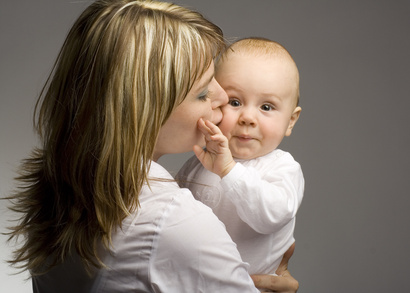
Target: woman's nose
[219, 96]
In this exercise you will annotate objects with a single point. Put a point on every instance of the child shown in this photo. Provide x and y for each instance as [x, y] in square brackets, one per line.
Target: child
[254, 188]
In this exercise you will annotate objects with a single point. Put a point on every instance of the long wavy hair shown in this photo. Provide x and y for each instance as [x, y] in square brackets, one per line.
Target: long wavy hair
[123, 68]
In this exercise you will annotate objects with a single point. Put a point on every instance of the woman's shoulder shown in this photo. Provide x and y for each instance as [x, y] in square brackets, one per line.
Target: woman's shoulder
[172, 232]
[163, 203]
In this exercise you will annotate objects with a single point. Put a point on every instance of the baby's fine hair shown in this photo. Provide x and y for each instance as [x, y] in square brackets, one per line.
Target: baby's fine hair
[123, 68]
[261, 46]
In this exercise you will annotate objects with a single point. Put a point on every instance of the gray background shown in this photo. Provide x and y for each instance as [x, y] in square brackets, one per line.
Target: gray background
[351, 140]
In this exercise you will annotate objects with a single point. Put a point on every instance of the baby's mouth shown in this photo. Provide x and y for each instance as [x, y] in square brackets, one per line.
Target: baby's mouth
[244, 137]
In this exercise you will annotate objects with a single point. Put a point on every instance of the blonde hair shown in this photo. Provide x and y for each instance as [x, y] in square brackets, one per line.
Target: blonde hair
[123, 68]
[264, 47]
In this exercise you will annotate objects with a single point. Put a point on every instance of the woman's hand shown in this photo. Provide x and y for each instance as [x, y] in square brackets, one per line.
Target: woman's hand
[284, 282]
[217, 157]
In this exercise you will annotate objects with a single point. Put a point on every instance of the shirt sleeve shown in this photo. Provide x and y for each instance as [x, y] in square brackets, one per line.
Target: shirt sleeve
[268, 201]
[194, 253]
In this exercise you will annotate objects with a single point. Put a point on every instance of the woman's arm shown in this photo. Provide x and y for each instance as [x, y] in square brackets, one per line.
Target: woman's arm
[284, 282]
[193, 252]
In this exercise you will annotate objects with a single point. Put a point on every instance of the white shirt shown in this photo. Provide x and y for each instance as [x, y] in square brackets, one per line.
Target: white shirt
[173, 243]
[257, 201]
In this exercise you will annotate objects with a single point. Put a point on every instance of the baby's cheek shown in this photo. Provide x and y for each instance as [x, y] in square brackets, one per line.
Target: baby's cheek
[224, 130]
[227, 124]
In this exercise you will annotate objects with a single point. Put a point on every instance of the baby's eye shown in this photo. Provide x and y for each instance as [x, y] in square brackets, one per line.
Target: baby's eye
[266, 107]
[234, 103]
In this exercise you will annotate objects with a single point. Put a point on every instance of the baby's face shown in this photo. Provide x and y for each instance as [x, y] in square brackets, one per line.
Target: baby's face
[262, 94]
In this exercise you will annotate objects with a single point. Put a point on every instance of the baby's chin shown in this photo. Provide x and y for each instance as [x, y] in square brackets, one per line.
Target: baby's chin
[248, 155]
[244, 156]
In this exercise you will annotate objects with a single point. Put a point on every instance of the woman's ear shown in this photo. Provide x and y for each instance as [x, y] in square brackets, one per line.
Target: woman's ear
[293, 119]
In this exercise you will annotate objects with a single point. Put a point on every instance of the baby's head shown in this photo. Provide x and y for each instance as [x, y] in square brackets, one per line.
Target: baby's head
[262, 83]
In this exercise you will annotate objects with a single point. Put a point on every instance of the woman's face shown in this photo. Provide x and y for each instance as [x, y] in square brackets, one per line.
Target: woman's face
[180, 133]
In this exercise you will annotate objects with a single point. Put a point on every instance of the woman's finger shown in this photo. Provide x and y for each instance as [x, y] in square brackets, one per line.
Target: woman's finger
[284, 284]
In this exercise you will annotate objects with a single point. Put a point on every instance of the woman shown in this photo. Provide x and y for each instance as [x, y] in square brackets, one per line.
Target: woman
[98, 214]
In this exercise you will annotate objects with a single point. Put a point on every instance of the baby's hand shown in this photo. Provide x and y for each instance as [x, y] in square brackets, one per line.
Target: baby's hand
[217, 157]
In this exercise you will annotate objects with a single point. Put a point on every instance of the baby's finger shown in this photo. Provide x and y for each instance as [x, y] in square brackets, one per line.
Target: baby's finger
[199, 152]
[219, 138]
[204, 128]
[212, 127]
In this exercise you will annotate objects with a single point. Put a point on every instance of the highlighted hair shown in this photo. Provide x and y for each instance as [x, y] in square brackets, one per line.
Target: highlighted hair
[123, 68]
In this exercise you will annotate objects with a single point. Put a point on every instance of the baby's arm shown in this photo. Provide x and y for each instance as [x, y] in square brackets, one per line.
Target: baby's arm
[266, 196]
[265, 199]
[217, 157]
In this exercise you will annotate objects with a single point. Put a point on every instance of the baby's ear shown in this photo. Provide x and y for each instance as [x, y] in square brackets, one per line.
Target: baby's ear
[293, 119]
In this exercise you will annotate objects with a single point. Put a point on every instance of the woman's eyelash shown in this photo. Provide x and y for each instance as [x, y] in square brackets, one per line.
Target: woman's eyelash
[203, 96]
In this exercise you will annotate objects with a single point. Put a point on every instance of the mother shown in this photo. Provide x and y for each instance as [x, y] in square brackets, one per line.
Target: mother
[98, 214]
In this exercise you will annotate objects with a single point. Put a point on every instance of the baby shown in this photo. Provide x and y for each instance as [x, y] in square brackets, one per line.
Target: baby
[254, 188]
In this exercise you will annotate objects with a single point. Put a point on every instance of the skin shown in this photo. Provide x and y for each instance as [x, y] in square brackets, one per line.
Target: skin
[284, 283]
[188, 127]
[204, 100]
[262, 110]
